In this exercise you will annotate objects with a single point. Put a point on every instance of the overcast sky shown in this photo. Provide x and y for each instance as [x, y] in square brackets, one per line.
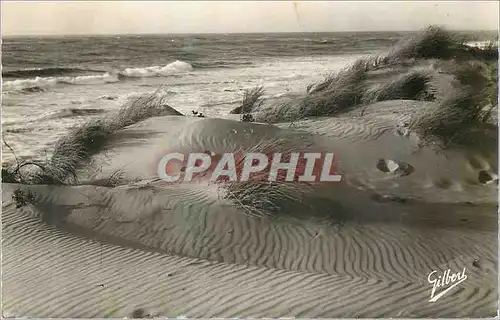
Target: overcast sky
[55, 18]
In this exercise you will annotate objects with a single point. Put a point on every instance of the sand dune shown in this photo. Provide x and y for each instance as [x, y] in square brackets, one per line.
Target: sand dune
[363, 247]
[439, 175]
[248, 267]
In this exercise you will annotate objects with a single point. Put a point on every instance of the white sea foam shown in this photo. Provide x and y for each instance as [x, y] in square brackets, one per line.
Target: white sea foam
[154, 71]
[46, 82]
[481, 44]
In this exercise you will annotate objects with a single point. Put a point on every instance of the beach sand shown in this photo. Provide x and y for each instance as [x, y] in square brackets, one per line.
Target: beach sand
[361, 248]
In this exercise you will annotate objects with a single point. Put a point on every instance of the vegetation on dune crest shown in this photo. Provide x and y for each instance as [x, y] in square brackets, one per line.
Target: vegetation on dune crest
[259, 197]
[252, 100]
[435, 42]
[80, 144]
[22, 198]
[337, 93]
[349, 87]
[143, 107]
[414, 85]
[72, 150]
[466, 114]
[468, 108]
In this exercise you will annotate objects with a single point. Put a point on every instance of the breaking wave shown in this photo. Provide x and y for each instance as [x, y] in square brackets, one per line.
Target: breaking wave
[42, 83]
[158, 71]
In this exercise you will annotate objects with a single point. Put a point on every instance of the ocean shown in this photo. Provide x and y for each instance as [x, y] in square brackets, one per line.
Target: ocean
[51, 84]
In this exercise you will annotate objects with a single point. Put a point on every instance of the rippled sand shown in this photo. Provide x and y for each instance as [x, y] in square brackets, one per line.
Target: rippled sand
[362, 247]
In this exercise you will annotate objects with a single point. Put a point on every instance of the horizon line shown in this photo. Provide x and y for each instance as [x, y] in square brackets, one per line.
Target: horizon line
[227, 33]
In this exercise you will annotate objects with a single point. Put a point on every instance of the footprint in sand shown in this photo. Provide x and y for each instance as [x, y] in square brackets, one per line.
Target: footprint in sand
[486, 177]
[141, 313]
[395, 167]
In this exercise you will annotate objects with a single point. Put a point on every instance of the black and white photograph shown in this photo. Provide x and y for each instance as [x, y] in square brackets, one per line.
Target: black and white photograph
[249, 159]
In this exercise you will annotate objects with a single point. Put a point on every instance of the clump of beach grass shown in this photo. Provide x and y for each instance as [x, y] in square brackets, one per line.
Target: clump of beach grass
[259, 197]
[8, 176]
[435, 42]
[143, 107]
[116, 178]
[352, 75]
[78, 146]
[462, 117]
[252, 100]
[349, 88]
[414, 85]
[13, 174]
[22, 198]
[432, 42]
[287, 111]
[336, 93]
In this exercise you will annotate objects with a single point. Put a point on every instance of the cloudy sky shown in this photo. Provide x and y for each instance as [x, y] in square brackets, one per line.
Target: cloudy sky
[58, 17]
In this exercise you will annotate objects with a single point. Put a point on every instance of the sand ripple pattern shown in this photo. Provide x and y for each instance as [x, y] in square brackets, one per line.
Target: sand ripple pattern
[249, 267]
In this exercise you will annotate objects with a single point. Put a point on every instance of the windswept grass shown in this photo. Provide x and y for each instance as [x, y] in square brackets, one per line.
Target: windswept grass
[351, 88]
[143, 107]
[414, 85]
[435, 42]
[337, 93]
[115, 179]
[287, 111]
[347, 77]
[74, 149]
[457, 121]
[432, 42]
[261, 198]
[467, 112]
[252, 100]
[77, 147]
[22, 198]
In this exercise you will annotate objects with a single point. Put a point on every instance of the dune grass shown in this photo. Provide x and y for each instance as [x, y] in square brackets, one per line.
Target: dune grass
[469, 107]
[414, 85]
[347, 89]
[336, 93]
[22, 198]
[435, 42]
[78, 146]
[467, 111]
[259, 197]
[252, 100]
[432, 42]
